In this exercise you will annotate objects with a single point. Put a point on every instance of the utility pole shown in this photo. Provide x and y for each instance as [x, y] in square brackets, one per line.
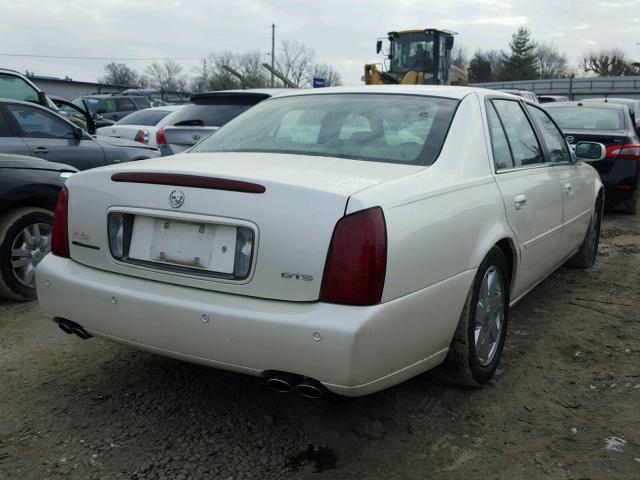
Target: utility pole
[273, 52]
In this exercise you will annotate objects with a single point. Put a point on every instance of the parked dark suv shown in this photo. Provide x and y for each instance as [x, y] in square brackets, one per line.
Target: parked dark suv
[112, 106]
[612, 125]
[29, 188]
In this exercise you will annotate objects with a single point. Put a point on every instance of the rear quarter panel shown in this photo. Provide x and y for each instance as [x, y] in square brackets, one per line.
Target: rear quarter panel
[442, 221]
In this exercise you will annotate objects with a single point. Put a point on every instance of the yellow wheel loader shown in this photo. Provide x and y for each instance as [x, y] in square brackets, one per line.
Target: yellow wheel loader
[416, 57]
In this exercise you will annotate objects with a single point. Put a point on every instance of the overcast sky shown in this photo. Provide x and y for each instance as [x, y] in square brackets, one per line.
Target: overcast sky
[342, 33]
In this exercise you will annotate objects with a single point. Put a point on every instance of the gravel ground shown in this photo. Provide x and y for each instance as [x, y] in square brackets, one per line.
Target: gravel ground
[564, 405]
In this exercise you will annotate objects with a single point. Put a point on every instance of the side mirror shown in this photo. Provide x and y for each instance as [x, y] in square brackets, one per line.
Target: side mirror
[590, 151]
[78, 133]
[42, 99]
[378, 46]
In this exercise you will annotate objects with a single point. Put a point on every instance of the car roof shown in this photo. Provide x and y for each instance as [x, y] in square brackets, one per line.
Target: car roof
[626, 101]
[444, 91]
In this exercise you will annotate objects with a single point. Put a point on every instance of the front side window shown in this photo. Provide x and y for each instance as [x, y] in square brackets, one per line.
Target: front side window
[37, 123]
[144, 117]
[361, 126]
[205, 115]
[520, 135]
[551, 136]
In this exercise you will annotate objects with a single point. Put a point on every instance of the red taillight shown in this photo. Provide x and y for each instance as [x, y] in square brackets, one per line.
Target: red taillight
[142, 137]
[630, 151]
[357, 260]
[160, 138]
[60, 235]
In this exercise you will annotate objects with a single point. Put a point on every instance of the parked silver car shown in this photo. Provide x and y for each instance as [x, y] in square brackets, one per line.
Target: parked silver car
[207, 113]
[33, 130]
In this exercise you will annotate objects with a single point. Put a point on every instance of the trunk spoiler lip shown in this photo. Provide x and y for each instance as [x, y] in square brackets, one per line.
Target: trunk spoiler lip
[193, 181]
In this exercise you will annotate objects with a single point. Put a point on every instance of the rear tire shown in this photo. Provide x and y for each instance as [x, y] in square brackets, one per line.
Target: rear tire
[17, 281]
[631, 207]
[470, 361]
[586, 256]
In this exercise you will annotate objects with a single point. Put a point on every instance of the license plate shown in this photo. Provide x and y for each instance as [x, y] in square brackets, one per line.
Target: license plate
[204, 246]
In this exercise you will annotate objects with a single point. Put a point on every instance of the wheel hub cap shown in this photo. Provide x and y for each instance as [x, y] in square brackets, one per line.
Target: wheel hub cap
[489, 319]
[29, 247]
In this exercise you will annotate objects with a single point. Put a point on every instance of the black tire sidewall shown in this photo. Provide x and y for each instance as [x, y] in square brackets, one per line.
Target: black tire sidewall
[481, 374]
[5, 252]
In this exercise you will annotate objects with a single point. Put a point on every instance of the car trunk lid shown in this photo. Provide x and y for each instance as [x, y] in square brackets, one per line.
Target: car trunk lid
[291, 203]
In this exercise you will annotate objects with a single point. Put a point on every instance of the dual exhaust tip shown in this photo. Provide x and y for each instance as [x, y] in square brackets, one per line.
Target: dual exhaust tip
[288, 382]
[69, 327]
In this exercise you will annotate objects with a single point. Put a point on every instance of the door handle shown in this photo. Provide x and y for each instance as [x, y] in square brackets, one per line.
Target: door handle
[567, 188]
[41, 151]
[520, 201]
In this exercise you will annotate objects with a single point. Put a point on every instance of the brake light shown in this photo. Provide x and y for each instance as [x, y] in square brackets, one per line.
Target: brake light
[60, 234]
[630, 151]
[160, 138]
[142, 136]
[356, 264]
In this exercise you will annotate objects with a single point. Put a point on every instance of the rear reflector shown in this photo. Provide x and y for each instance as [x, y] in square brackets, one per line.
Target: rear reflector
[626, 152]
[60, 234]
[160, 138]
[357, 260]
[194, 181]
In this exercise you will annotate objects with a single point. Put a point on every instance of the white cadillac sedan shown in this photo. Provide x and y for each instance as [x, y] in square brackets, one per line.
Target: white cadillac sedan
[342, 239]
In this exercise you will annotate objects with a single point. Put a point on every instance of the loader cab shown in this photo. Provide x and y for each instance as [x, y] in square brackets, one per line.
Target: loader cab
[427, 52]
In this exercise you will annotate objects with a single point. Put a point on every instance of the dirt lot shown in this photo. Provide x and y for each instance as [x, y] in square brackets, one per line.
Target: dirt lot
[564, 405]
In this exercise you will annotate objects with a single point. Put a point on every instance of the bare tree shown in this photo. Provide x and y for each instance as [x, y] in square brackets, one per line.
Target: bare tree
[249, 64]
[295, 61]
[607, 62]
[166, 76]
[326, 71]
[120, 74]
[551, 62]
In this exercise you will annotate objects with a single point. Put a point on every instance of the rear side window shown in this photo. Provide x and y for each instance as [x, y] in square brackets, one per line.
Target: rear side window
[499, 143]
[143, 102]
[144, 117]
[14, 88]
[389, 128]
[205, 115]
[125, 105]
[5, 130]
[522, 140]
[552, 137]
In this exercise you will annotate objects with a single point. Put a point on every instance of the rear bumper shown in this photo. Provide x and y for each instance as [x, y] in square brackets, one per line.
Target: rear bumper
[353, 351]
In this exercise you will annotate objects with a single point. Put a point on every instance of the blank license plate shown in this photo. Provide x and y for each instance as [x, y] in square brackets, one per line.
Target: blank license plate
[205, 246]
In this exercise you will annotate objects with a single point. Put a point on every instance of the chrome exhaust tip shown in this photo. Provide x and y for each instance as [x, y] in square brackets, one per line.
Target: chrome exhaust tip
[282, 382]
[311, 389]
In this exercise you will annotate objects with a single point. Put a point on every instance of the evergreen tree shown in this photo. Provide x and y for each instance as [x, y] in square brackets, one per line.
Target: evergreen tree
[480, 68]
[521, 64]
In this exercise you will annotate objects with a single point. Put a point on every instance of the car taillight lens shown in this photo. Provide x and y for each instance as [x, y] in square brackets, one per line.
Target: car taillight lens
[626, 152]
[142, 136]
[60, 235]
[160, 138]
[357, 260]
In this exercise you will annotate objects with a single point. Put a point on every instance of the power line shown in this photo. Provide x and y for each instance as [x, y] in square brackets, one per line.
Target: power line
[97, 58]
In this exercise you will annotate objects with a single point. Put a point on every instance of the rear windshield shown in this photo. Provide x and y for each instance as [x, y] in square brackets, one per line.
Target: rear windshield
[588, 118]
[377, 127]
[144, 117]
[203, 115]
